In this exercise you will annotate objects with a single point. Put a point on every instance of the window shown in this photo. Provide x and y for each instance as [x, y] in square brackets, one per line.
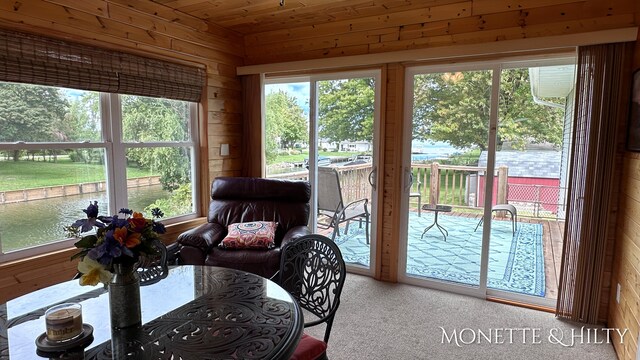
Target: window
[62, 148]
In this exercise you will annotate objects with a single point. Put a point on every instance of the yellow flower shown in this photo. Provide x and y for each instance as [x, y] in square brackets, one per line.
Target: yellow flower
[93, 272]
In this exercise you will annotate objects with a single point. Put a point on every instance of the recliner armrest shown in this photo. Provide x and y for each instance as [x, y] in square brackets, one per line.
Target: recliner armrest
[294, 233]
[202, 237]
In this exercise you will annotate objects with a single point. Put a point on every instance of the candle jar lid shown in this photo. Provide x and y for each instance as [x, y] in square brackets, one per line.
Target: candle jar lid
[63, 321]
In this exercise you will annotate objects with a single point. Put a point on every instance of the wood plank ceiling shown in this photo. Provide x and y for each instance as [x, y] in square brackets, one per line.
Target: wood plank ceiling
[256, 16]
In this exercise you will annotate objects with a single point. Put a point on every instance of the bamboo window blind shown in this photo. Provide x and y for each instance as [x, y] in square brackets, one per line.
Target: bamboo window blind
[35, 59]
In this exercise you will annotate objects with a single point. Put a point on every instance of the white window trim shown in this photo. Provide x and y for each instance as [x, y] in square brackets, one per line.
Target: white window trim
[115, 151]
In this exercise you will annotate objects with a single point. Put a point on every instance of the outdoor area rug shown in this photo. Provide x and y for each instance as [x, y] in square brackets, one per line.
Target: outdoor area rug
[516, 262]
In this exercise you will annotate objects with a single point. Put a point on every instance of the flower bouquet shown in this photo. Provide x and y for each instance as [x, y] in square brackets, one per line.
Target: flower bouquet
[108, 240]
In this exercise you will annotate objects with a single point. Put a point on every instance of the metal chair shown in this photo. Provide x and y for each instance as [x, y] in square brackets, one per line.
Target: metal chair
[313, 271]
[331, 204]
[504, 207]
[154, 268]
[417, 194]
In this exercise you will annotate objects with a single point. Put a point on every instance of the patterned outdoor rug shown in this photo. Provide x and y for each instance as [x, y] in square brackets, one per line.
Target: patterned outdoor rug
[516, 262]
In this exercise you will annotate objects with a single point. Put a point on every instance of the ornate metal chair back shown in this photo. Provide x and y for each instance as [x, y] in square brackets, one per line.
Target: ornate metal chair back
[313, 271]
[153, 269]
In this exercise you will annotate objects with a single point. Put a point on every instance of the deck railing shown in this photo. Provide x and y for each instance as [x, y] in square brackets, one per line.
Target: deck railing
[455, 185]
[353, 180]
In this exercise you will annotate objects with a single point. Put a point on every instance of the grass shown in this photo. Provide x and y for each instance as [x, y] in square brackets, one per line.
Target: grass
[298, 158]
[26, 174]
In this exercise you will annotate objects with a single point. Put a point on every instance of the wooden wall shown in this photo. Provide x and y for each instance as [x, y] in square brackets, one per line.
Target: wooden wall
[626, 268]
[151, 29]
[432, 24]
[148, 29]
[423, 24]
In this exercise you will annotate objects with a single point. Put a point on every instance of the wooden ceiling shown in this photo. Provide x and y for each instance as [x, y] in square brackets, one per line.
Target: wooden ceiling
[256, 16]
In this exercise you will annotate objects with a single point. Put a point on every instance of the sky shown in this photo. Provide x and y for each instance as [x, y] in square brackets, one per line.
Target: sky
[298, 90]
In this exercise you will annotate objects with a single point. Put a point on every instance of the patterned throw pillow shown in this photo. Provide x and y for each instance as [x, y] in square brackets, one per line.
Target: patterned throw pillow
[250, 235]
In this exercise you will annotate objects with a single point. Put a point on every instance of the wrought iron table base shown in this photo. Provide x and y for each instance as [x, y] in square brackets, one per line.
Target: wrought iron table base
[437, 209]
[444, 231]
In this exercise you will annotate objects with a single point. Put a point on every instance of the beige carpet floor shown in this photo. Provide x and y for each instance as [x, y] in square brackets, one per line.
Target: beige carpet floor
[379, 320]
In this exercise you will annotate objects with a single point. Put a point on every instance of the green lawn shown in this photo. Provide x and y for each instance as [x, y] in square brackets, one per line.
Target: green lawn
[304, 155]
[26, 174]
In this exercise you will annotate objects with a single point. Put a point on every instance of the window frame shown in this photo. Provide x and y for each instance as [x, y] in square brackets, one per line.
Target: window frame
[115, 166]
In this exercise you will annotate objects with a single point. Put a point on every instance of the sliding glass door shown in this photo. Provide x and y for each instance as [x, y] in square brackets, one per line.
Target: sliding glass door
[484, 174]
[324, 129]
[450, 120]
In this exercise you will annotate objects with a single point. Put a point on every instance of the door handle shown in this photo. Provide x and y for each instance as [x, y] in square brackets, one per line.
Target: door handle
[408, 179]
[372, 177]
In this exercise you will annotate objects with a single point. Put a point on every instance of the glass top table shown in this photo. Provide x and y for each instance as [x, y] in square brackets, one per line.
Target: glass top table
[196, 312]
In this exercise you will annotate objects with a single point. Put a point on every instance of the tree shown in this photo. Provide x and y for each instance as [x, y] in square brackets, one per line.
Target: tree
[83, 122]
[345, 109]
[455, 108]
[151, 119]
[285, 123]
[30, 113]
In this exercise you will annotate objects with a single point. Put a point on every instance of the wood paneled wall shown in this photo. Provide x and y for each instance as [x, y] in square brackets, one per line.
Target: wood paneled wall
[427, 24]
[626, 271]
[393, 95]
[625, 314]
[148, 29]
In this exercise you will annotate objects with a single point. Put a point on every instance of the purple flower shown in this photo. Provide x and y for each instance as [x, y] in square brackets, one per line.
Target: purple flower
[109, 249]
[157, 213]
[92, 210]
[91, 220]
[118, 223]
[159, 228]
[126, 211]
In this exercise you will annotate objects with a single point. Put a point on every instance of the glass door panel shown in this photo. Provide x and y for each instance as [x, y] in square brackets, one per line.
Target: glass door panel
[534, 133]
[346, 114]
[287, 129]
[450, 132]
[324, 130]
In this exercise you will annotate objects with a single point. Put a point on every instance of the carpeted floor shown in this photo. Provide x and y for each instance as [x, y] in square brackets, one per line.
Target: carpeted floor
[378, 320]
[516, 261]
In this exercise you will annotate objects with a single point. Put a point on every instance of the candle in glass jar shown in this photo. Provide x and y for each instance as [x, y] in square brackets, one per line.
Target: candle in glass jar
[63, 321]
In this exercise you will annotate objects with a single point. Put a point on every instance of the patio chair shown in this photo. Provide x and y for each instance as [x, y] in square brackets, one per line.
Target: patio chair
[313, 271]
[331, 204]
[417, 194]
[153, 269]
[507, 208]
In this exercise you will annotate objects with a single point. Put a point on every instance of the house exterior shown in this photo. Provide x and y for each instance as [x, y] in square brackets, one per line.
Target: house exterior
[359, 146]
[533, 178]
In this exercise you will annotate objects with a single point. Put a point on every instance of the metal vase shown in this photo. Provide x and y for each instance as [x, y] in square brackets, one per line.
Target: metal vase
[124, 297]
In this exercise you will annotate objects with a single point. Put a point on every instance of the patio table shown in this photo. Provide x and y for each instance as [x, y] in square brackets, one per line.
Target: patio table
[436, 209]
[197, 312]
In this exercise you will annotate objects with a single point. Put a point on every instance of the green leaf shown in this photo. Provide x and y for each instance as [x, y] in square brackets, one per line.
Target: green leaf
[88, 241]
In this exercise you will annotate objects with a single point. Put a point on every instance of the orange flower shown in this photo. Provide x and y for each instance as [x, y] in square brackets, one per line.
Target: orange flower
[137, 221]
[126, 239]
[133, 240]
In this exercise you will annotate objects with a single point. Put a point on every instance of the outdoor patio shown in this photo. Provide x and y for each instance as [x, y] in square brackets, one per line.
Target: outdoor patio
[527, 262]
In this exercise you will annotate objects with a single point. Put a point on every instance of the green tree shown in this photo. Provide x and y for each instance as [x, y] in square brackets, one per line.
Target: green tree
[83, 122]
[152, 119]
[31, 113]
[285, 123]
[179, 203]
[455, 108]
[345, 109]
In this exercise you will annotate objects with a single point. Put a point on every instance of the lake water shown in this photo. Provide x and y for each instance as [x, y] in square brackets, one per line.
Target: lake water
[38, 222]
[423, 150]
[420, 151]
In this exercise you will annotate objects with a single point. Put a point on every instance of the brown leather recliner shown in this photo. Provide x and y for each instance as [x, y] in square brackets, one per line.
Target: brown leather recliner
[235, 200]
